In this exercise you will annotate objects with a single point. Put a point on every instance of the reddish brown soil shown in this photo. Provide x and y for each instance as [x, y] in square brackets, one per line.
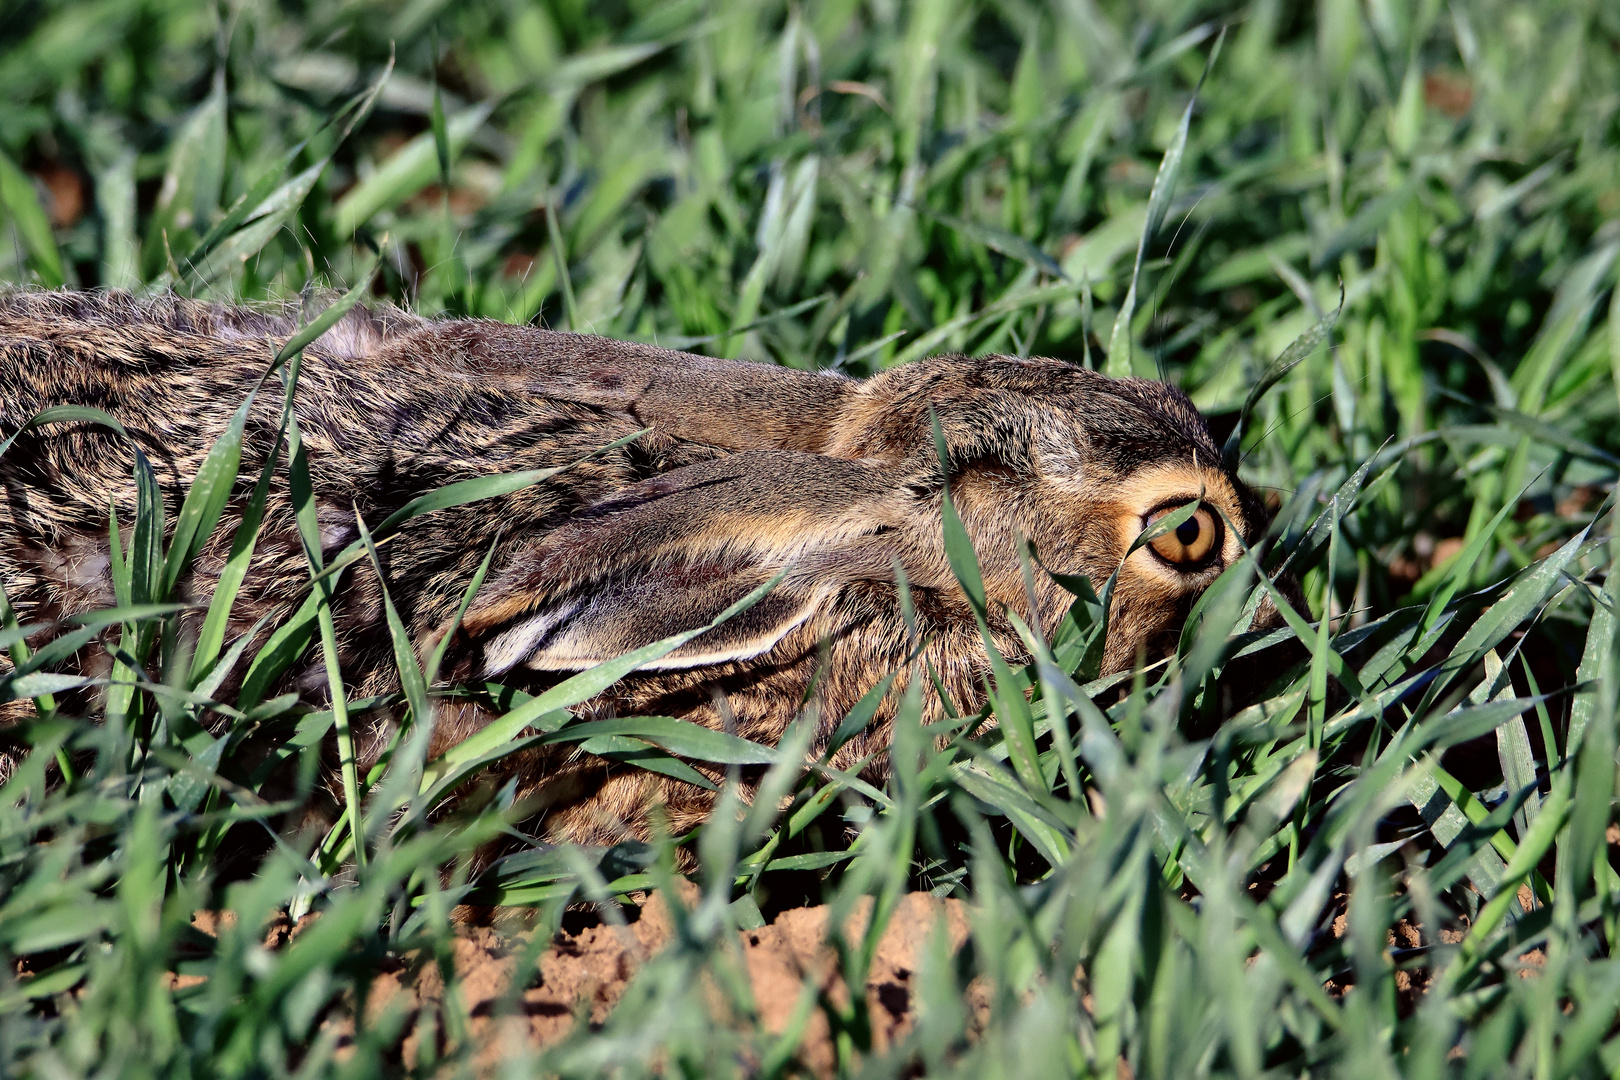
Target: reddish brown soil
[583, 975]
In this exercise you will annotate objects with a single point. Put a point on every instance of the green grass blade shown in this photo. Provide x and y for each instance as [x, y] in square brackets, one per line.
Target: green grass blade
[680, 737]
[559, 255]
[264, 198]
[115, 200]
[408, 171]
[146, 544]
[431, 672]
[1598, 665]
[410, 672]
[205, 500]
[1012, 710]
[211, 638]
[625, 750]
[304, 512]
[441, 136]
[856, 720]
[1298, 350]
[415, 732]
[1122, 359]
[1537, 844]
[1528, 592]
[260, 225]
[22, 206]
[65, 414]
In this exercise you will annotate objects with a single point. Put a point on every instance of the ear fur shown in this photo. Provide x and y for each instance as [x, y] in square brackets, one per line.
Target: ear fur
[583, 631]
[735, 404]
[672, 553]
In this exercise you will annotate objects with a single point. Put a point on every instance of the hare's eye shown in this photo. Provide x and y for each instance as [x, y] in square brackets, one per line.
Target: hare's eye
[1189, 544]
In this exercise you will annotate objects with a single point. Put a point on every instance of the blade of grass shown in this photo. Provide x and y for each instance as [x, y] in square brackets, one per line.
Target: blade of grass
[21, 202]
[304, 513]
[64, 414]
[254, 219]
[1012, 710]
[1298, 350]
[406, 172]
[1121, 352]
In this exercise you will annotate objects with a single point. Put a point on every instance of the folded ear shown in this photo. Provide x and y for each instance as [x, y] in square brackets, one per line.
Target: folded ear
[672, 553]
[737, 404]
[583, 631]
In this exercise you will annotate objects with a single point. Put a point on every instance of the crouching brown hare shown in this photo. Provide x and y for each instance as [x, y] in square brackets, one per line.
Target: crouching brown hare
[745, 471]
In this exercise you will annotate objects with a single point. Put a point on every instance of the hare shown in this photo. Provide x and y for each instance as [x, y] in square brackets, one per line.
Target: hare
[745, 471]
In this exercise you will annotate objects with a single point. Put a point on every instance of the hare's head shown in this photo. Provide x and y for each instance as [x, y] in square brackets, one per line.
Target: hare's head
[838, 485]
[1078, 464]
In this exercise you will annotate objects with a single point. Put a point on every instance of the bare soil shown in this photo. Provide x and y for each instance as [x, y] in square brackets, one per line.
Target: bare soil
[584, 973]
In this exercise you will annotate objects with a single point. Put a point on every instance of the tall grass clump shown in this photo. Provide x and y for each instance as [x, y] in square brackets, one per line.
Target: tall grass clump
[1376, 243]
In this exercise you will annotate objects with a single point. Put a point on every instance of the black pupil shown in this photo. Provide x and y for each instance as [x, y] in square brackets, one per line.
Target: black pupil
[1188, 531]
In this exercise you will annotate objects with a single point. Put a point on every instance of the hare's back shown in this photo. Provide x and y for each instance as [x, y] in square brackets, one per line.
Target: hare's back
[388, 406]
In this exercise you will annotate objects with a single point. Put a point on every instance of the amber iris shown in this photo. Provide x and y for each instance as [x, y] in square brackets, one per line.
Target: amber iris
[1189, 543]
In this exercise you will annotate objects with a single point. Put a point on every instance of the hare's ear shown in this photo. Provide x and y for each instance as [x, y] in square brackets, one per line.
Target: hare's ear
[737, 404]
[673, 553]
[584, 630]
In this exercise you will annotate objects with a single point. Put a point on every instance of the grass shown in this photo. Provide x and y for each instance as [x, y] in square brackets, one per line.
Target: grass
[1433, 187]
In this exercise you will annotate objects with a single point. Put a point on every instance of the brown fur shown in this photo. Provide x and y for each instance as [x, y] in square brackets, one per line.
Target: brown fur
[748, 470]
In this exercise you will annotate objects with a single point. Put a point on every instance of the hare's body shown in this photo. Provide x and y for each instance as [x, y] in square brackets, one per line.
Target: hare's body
[746, 470]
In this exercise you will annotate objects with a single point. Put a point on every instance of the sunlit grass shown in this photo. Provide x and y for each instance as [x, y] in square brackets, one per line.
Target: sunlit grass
[1423, 199]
